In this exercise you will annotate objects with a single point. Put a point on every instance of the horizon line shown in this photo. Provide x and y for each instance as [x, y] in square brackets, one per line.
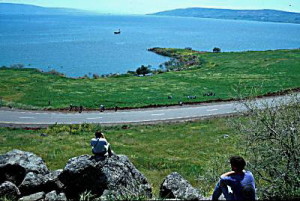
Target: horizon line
[124, 13]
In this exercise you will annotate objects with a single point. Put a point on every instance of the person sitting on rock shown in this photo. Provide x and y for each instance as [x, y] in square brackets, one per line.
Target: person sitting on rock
[100, 146]
[240, 182]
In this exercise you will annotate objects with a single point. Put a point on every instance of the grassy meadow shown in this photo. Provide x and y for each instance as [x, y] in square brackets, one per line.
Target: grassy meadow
[220, 73]
[194, 149]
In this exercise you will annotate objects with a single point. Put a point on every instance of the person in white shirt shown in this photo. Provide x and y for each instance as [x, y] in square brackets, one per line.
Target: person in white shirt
[100, 146]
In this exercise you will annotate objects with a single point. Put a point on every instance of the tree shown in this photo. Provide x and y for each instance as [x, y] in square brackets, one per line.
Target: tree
[96, 76]
[217, 50]
[143, 70]
[272, 140]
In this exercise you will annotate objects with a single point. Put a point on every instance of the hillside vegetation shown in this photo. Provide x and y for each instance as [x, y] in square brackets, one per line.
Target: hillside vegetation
[217, 74]
[266, 15]
[156, 150]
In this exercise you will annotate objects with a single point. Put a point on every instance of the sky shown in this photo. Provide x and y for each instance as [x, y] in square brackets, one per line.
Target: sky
[151, 6]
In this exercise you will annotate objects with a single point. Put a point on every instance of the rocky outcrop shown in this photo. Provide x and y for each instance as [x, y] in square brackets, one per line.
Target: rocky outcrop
[176, 187]
[25, 175]
[14, 165]
[115, 176]
[9, 190]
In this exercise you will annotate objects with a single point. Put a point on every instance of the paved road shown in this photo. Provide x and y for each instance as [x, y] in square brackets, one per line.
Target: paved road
[35, 118]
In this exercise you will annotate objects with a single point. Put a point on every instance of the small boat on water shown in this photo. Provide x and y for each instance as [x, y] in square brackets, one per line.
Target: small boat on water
[117, 32]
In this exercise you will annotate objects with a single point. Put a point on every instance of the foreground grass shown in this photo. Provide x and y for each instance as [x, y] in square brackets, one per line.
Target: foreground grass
[268, 71]
[189, 148]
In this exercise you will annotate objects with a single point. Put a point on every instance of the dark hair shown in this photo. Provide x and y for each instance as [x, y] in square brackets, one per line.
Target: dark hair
[98, 134]
[238, 162]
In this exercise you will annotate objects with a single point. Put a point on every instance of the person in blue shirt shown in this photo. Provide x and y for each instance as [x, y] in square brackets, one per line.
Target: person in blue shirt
[100, 146]
[237, 184]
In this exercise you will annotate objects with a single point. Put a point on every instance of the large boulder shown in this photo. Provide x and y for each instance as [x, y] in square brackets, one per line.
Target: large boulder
[124, 180]
[82, 174]
[14, 166]
[32, 183]
[113, 176]
[9, 190]
[176, 187]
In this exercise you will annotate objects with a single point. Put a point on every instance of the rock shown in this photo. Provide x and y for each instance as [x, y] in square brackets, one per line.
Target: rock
[225, 136]
[124, 180]
[34, 197]
[114, 176]
[81, 174]
[175, 186]
[43, 135]
[52, 196]
[52, 182]
[9, 190]
[32, 183]
[14, 165]
[61, 197]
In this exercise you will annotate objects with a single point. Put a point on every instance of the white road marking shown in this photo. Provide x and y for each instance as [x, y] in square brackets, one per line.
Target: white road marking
[160, 114]
[26, 117]
[210, 110]
[95, 118]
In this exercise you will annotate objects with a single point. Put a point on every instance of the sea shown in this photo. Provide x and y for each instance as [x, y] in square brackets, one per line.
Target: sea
[79, 45]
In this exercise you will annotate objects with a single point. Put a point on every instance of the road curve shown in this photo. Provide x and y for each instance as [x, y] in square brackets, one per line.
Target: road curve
[23, 118]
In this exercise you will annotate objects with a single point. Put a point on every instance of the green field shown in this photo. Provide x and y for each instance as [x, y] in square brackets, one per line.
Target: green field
[189, 148]
[220, 73]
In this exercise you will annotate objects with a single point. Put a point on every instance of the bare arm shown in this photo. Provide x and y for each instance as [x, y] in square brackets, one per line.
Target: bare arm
[227, 174]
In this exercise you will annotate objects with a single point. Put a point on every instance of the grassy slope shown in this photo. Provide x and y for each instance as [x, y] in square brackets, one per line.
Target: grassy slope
[269, 71]
[156, 150]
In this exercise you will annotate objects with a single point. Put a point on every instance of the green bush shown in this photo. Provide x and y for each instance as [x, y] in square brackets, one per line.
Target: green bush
[272, 140]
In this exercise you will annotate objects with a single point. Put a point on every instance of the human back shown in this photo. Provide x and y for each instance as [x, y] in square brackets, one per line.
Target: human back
[100, 146]
[240, 181]
[242, 185]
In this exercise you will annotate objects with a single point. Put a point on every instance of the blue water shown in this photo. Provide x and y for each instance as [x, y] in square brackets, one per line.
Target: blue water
[79, 45]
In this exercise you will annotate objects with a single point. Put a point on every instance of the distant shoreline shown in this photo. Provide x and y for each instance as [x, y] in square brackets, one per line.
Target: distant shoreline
[266, 15]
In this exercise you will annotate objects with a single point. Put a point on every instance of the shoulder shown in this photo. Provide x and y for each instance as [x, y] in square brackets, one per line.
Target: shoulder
[103, 140]
[248, 174]
[94, 140]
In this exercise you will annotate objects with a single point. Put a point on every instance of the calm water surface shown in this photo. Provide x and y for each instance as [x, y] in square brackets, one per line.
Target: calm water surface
[79, 45]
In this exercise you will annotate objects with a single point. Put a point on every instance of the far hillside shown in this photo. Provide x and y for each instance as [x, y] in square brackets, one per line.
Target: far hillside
[253, 15]
[25, 9]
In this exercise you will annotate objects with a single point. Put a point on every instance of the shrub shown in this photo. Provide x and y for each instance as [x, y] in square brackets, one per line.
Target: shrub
[273, 142]
[216, 50]
[96, 76]
[54, 72]
[143, 70]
